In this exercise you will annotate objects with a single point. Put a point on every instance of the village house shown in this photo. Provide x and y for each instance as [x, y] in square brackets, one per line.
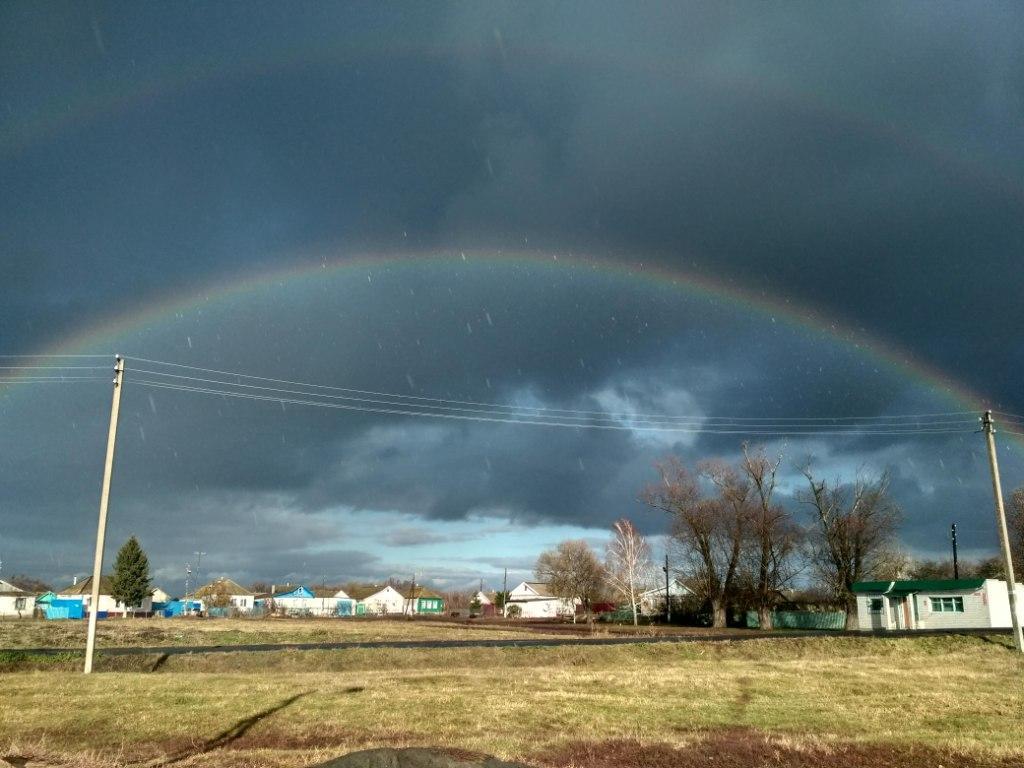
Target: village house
[225, 590]
[81, 589]
[651, 602]
[377, 601]
[310, 601]
[15, 601]
[535, 600]
[422, 600]
[934, 604]
[488, 602]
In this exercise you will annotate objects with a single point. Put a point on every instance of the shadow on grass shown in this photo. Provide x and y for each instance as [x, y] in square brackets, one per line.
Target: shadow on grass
[229, 735]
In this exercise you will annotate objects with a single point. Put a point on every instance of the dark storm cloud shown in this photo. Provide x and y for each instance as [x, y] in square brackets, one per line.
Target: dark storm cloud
[865, 161]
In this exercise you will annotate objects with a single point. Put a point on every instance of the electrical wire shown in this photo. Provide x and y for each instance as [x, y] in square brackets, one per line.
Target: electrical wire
[508, 419]
[690, 420]
[828, 420]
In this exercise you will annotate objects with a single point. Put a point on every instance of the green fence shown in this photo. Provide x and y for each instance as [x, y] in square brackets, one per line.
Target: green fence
[801, 620]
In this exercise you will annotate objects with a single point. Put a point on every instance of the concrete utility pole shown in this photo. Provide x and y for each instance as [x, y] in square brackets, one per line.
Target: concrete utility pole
[101, 531]
[504, 595]
[988, 426]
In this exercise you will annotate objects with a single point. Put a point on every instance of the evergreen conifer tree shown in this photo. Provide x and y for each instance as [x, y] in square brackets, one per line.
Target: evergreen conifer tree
[131, 583]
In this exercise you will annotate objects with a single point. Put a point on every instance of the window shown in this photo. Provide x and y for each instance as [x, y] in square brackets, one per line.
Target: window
[875, 605]
[947, 604]
[19, 603]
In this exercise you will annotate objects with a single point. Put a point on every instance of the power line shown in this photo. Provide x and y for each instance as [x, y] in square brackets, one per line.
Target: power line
[675, 421]
[54, 367]
[491, 405]
[537, 421]
[49, 355]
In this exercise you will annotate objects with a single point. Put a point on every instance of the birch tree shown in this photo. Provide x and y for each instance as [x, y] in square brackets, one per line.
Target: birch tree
[628, 563]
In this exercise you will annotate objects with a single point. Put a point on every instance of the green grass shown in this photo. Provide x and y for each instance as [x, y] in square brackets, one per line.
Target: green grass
[953, 693]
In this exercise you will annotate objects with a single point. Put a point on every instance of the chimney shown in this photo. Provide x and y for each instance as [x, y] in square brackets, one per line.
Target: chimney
[273, 588]
[74, 582]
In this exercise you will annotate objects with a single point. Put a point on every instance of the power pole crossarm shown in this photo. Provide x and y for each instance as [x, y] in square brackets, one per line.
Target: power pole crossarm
[988, 426]
[101, 531]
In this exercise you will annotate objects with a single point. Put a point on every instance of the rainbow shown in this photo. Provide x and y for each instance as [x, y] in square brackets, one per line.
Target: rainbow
[312, 272]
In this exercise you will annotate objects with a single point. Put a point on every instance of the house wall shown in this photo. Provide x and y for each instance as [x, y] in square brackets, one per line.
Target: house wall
[315, 606]
[999, 603]
[386, 601]
[108, 604]
[986, 607]
[243, 603]
[975, 614]
[9, 605]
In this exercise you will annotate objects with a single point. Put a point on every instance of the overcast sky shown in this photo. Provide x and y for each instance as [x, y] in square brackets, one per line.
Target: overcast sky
[498, 179]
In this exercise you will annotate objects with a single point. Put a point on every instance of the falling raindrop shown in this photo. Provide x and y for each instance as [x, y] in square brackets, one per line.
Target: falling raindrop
[152, 403]
[412, 384]
[580, 460]
[469, 328]
[189, 340]
[488, 316]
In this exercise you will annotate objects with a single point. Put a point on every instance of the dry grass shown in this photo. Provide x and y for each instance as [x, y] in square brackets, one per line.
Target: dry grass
[951, 700]
[191, 631]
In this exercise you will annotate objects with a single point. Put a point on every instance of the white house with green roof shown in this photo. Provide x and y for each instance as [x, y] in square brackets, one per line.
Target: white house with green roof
[935, 604]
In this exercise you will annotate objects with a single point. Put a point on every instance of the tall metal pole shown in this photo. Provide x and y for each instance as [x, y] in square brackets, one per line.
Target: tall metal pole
[101, 531]
[1004, 540]
[956, 562]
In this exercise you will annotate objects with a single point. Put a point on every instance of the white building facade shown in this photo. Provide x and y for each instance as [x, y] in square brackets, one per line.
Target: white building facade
[935, 604]
[15, 602]
[534, 600]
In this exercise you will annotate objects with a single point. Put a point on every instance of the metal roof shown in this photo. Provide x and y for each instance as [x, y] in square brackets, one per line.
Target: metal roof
[918, 585]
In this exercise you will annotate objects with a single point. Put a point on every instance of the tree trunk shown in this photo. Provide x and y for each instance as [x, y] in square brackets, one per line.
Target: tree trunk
[851, 616]
[632, 603]
[764, 617]
[717, 614]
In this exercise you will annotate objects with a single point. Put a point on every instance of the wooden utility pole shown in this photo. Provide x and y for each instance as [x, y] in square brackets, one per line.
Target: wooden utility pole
[668, 594]
[101, 531]
[988, 427]
[504, 595]
[956, 561]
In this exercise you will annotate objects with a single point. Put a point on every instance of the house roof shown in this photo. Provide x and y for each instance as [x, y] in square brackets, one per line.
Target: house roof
[541, 588]
[917, 585]
[421, 591]
[325, 591]
[302, 591]
[84, 587]
[6, 588]
[230, 586]
[363, 591]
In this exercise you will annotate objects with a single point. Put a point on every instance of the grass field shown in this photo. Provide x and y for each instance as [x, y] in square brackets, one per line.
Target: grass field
[161, 632]
[830, 701]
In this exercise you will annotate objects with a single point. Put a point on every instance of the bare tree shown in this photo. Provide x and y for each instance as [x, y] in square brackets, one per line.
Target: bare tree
[710, 531]
[628, 563]
[573, 571]
[774, 536]
[854, 533]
